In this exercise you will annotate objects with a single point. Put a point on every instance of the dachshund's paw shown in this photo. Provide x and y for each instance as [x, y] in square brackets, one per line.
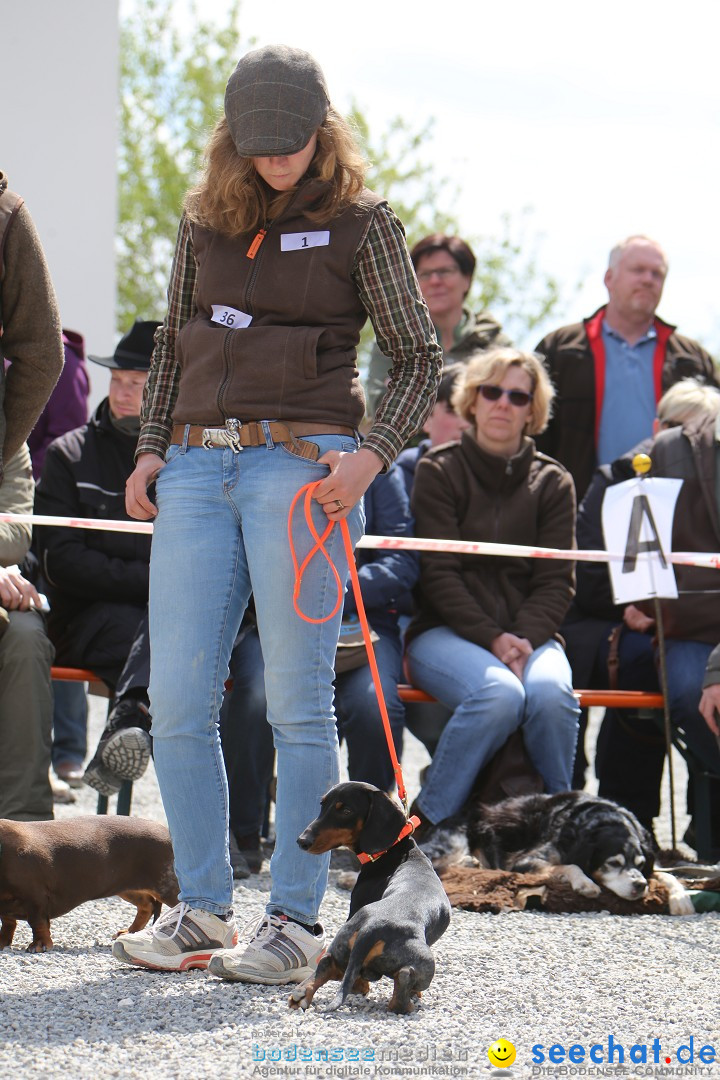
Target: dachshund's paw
[298, 998]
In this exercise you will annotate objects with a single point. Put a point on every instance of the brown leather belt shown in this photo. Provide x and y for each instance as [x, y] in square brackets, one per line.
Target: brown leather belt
[238, 435]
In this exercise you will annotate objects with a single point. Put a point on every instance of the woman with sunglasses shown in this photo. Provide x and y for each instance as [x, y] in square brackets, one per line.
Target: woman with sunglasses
[485, 639]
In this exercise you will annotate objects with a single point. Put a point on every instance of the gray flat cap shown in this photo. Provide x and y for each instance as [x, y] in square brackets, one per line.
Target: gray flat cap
[275, 100]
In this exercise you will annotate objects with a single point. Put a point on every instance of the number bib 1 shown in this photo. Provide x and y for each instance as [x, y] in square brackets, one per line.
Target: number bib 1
[299, 241]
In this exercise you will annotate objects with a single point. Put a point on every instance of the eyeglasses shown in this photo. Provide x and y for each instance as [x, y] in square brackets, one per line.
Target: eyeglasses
[520, 398]
[443, 272]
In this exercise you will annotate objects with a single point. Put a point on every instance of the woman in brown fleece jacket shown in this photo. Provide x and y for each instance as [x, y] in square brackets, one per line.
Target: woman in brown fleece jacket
[484, 641]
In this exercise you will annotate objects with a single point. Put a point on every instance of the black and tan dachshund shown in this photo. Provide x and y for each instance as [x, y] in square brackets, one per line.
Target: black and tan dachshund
[398, 907]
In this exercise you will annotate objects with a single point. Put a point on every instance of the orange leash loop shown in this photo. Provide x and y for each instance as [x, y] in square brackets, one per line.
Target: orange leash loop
[320, 546]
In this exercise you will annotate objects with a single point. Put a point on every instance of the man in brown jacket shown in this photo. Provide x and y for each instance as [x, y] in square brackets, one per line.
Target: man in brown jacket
[30, 327]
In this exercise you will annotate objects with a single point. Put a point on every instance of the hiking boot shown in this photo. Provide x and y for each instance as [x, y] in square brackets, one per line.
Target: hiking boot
[101, 779]
[278, 951]
[126, 753]
[182, 938]
[123, 751]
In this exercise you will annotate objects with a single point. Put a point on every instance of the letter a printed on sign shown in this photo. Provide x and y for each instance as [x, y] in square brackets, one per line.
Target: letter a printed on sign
[637, 519]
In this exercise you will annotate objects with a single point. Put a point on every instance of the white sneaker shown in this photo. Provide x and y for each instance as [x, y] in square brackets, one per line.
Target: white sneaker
[182, 938]
[279, 951]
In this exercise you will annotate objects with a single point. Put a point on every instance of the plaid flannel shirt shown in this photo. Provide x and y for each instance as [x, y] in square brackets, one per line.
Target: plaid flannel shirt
[390, 294]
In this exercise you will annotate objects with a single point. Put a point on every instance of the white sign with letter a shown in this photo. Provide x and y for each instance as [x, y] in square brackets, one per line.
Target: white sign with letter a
[637, 519]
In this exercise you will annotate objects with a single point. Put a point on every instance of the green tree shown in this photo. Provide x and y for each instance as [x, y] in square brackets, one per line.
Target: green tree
[171, 93]
[509, 280]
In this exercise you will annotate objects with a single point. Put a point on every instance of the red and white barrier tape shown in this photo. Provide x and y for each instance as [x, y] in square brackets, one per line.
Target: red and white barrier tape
[104, 524]
[480, 547]
[709, 560]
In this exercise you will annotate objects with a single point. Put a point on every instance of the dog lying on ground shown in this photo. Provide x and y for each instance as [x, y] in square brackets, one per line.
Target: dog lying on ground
[398, 907]
[588, 841]
[47, 868]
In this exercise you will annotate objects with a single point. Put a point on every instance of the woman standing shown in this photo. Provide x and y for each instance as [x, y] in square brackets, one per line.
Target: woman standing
[485, 640]
[281, 255]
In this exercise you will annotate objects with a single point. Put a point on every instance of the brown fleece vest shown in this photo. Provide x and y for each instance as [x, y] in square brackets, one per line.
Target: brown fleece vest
[296, 359]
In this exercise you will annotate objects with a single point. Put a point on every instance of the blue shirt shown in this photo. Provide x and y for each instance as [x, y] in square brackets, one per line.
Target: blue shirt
[629, 405]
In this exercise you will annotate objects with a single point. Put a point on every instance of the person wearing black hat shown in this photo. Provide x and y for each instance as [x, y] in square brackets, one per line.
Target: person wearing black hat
[253, 394]
[97, 581]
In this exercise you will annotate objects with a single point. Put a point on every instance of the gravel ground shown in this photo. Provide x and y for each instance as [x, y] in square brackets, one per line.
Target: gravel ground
[533, 979]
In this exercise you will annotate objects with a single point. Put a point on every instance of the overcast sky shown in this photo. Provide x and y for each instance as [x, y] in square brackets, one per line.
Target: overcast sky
[601, 117]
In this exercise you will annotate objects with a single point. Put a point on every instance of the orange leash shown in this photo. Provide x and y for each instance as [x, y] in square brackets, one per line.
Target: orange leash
[299, 570]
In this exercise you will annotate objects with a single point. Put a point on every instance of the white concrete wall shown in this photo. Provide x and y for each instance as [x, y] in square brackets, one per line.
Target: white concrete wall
[58, 147]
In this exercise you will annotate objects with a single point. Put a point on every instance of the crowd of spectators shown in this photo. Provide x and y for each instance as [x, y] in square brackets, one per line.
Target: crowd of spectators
[519, 448]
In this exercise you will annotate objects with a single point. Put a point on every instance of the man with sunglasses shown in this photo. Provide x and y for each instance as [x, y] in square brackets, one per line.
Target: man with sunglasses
[610, 370]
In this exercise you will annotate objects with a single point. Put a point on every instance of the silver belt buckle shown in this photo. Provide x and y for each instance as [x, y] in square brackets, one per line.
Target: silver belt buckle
[223, 436]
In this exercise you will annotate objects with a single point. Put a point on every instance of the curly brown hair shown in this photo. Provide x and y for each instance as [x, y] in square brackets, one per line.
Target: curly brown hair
[232, 199]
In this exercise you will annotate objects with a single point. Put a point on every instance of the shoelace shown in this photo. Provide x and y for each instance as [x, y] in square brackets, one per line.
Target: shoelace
[175, 915]
[261, 927]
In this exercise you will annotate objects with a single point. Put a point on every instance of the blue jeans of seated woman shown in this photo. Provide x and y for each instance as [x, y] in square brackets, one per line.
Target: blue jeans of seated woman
[489, 704]
[221, 534]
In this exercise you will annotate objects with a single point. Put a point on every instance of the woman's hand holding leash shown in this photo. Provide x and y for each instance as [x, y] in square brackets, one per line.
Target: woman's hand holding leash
[137, 503]
[350, 477]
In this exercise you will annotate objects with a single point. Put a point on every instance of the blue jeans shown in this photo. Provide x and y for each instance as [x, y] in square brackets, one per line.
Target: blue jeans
[69, 722]
[489, 704]
[220, 535]
[686, 662]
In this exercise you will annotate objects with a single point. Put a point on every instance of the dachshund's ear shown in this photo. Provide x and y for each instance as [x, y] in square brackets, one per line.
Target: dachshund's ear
[382, 825]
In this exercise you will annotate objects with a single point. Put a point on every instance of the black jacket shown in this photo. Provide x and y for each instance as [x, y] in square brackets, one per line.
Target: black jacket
[84, 475]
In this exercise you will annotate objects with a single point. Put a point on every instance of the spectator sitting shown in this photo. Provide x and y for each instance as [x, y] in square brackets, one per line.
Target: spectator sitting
[66, 409]
[384, 575]
[630, 754]
[97, 580]
[610, 370]
[445, 266]
[485, 641]
[692, 621]
[26, 656]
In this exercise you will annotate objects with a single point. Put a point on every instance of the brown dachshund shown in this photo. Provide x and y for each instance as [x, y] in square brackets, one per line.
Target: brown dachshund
[398, 907]
[47, 868]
